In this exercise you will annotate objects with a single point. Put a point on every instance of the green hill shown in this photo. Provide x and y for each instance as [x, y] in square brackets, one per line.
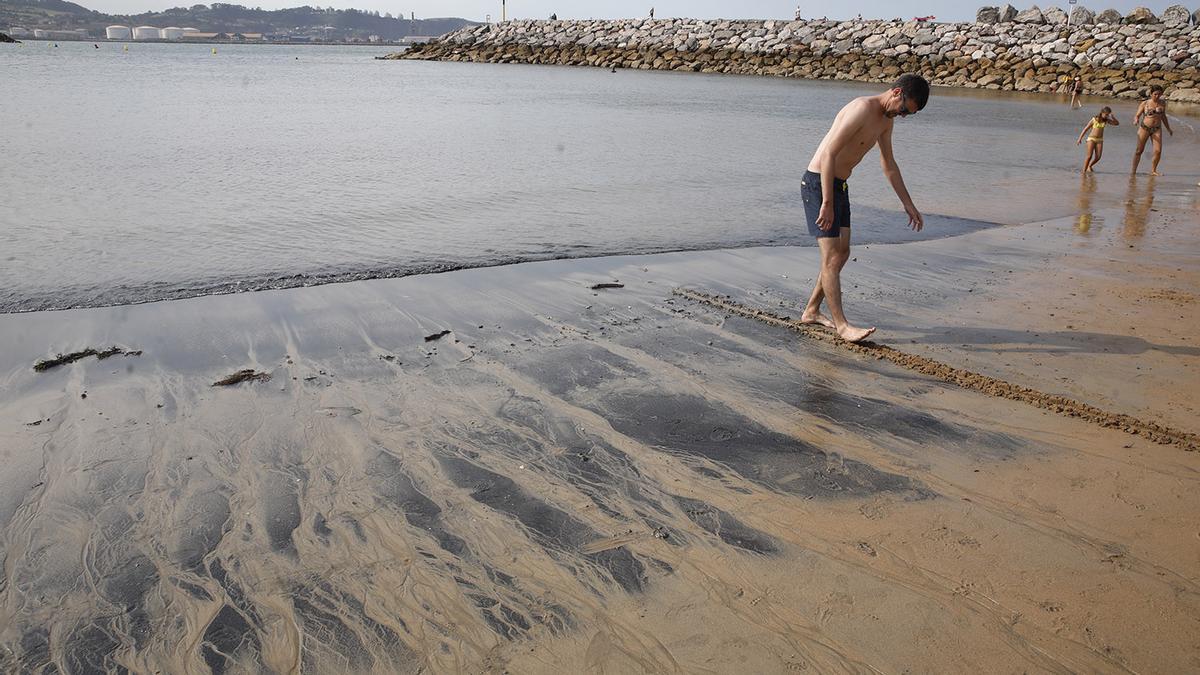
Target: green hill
[313, 22]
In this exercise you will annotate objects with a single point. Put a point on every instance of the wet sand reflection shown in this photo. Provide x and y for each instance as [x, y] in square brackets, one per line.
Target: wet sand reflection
[1139, 202]
[1087, 218]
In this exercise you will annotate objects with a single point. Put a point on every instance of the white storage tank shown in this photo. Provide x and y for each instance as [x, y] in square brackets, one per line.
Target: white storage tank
[145, 33]
[172, 33]
[117, 32]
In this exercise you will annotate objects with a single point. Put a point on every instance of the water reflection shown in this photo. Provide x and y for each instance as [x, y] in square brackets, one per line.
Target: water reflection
[1087, 193]
[1138, 205]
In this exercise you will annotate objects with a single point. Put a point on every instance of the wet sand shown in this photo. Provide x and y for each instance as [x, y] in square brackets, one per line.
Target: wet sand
[621, 479]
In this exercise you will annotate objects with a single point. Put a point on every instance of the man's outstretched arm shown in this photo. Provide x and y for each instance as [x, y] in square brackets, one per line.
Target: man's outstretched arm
[892, 171]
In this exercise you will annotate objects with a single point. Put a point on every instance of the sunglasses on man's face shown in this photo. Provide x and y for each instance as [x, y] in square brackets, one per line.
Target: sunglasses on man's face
[904, 111]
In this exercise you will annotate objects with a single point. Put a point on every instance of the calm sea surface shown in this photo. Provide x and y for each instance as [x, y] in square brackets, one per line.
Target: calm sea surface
[167, 171]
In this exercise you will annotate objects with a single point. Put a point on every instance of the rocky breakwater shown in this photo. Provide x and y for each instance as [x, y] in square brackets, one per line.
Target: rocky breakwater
[1034, 50]
[5, 38]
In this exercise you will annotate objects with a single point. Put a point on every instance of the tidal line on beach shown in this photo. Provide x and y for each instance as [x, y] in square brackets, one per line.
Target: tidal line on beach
[963, 378]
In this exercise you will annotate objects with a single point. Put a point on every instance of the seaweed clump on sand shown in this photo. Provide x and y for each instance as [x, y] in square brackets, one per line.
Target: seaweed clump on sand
[246, 375]
[63, 359]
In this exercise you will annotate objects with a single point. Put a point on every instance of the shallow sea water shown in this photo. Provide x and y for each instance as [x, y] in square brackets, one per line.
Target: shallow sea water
[168, 172]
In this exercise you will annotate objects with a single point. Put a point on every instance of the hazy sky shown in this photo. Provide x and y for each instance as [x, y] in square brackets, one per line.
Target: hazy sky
[948, 10]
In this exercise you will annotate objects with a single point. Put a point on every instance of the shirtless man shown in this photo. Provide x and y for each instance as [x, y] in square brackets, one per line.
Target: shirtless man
[858, 127]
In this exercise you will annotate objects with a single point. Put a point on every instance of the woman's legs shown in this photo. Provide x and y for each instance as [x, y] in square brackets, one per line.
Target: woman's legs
[1099, 153]
[1143, 136]
[1157, 152]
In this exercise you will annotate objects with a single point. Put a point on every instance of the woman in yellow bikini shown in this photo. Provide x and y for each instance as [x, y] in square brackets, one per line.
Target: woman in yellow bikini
[1095, 140]
[1150, 119]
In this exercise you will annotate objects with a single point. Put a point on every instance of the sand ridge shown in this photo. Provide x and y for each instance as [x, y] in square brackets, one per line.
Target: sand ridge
[963, 378]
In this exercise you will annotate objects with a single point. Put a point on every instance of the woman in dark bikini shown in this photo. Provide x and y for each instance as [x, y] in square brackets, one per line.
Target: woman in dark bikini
[1150, 119]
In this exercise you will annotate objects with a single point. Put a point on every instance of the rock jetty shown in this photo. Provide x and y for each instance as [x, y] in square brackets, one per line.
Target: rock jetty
[1031, 50]
[5, 38]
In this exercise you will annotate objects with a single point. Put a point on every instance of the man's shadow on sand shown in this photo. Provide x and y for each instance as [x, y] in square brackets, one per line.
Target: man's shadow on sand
[1043, 342]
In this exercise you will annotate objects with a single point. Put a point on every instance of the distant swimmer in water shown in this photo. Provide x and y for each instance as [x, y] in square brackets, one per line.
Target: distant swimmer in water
[1151, 118]
[862, 124]
[1095, 140]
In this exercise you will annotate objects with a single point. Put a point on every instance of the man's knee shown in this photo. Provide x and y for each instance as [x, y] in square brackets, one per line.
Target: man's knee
[837, 259]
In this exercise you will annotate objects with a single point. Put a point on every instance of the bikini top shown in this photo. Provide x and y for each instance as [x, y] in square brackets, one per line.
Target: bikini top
[1098, 124]
[1155, 111]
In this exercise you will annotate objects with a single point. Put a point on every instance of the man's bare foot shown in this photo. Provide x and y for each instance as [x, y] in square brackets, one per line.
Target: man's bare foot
[851, 334]
[1155, 173]
[816, 318]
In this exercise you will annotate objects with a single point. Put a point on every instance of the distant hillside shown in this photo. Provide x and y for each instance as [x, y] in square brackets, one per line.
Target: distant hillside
[339, 25]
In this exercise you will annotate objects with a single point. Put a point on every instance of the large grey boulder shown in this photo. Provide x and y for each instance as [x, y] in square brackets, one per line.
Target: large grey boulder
[1176, 15]
[923, 37]
[1082, 16]
[1196, 17]
[1007, 13]
[1054, 16]
[1031, 15]
[1141, 15]
[988, 15]
[875, 42]
[1109, 16]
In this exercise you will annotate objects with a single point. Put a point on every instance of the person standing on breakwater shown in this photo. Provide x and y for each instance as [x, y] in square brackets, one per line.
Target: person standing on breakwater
[857, 128]
[1095, 141]
[1150, 119]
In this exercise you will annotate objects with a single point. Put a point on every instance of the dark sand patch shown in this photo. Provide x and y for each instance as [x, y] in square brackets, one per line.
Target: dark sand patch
[553, 526]
[730, 530]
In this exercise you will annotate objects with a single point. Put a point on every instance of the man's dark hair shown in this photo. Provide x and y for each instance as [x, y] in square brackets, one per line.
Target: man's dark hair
[915, 88]
[1156, 88]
